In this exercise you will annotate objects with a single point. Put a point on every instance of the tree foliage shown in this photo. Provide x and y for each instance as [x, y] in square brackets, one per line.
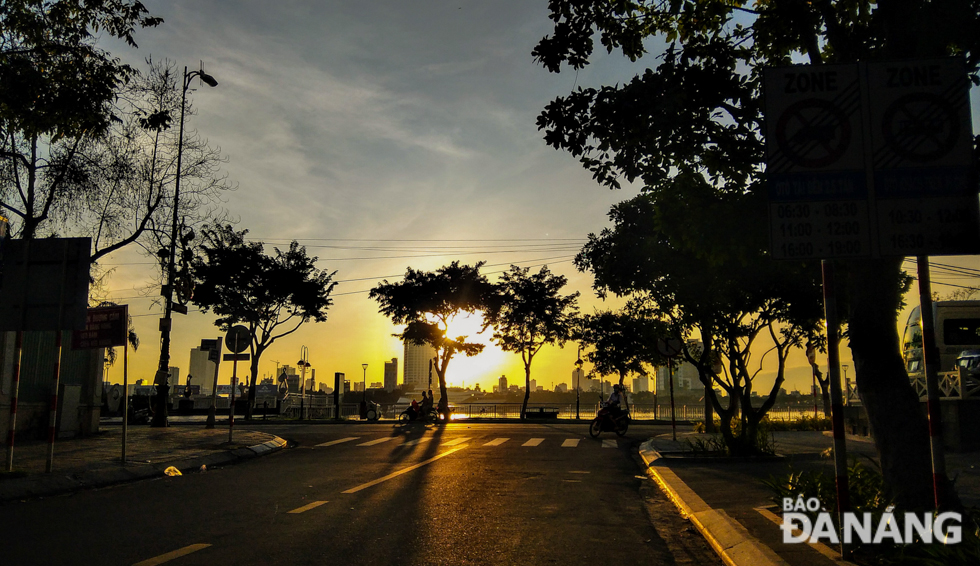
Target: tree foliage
[116, 188]
[531, 313]
[426, 302]
[699, 114]
[54, 81]
[620, 343]
[272, 295]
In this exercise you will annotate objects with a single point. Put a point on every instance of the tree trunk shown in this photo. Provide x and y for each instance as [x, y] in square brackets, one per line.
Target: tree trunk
[527, 391]
[898, 422]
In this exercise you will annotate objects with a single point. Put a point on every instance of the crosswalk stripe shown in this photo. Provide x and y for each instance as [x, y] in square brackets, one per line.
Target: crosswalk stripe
[610, 444]
[377, 441]
[455, 441]
[533, 442]
[417, 441]
[496, 442]
[308, 506]
[332, 442]
[570, 442]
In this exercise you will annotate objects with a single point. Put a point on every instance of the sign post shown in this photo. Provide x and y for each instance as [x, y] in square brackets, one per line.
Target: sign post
[670, 347]
[214, 355]
[108, 327]
[237, 339]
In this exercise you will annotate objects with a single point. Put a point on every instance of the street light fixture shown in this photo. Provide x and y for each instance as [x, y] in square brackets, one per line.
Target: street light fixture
[163, 388]
[578, 381]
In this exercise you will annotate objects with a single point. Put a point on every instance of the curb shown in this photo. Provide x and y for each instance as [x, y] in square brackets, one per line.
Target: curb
[729, 539]
[43, 485]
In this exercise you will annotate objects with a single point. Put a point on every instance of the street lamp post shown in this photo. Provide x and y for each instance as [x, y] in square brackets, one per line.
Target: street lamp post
[578, 382]
[364, 383]
[163, 388]
[303, 363]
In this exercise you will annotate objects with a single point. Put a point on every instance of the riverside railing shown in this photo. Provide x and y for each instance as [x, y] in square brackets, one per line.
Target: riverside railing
[321, 407]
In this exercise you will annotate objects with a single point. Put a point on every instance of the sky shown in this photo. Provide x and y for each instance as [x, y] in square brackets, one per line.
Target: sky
[382, 135]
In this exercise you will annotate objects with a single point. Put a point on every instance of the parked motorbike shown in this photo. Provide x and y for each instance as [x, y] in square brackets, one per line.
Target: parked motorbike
[605, 421]
[373, 411]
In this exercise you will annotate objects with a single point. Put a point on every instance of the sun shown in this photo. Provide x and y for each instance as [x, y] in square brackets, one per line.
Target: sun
[482, 368]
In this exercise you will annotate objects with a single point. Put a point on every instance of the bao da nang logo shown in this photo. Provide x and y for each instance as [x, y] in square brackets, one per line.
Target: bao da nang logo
[864, 528]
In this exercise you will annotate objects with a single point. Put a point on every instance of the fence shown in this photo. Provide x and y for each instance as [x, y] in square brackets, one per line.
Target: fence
[321, 407]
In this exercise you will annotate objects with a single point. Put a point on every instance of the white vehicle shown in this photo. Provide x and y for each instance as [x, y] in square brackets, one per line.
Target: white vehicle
[957, 326]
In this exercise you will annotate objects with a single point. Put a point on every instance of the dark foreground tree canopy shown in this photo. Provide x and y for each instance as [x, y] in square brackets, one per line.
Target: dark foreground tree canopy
[691, 124]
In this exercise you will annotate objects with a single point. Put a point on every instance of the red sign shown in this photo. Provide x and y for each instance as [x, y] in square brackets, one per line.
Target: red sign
[104, 327]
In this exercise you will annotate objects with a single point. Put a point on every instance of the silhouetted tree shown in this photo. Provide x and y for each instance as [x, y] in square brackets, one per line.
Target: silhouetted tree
[700, 112]
[726, 291]
[620, 343]
[272, 295]
[531, 313]
[427, 301]
[57, 93]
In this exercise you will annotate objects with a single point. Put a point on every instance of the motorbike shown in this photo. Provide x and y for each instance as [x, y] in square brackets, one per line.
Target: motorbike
[605, 421]
[409, 415]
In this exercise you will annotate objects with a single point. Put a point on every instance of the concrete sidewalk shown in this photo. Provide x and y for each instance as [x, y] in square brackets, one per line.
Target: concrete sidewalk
[95, 461]
[728, 503]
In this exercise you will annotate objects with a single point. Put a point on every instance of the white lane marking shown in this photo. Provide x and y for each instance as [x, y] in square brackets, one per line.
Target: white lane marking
[610, 444]
[496, 442]
[377, 441]
[171, 555]
[417, 441]
[455, 442]
[307, 507]
[332, 442]
[818, 546]
[533, 442]
[578, 472]
[570, 442]
[402, 471]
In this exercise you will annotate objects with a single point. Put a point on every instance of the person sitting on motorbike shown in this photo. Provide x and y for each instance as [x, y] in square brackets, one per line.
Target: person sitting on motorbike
[426, 403]
[414, 409]
[617, 400]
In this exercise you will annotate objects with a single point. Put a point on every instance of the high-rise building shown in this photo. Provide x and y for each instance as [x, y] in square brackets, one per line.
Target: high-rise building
[416, 376]
[641, 384]
[391, 375]
[201, 370]
[173, 376]
[686, 376]
[578, 376]
[502, 384]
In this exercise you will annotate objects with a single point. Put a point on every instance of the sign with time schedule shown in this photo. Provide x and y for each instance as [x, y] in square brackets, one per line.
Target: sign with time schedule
[870, 159]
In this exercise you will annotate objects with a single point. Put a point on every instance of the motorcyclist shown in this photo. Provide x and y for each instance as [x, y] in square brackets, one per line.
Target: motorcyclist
[414, 414]
[426, 403]
[617, 400]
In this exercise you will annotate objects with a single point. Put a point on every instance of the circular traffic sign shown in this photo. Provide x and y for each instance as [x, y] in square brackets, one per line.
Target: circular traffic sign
[237, 338]
[920, 127]
[669, 347]
[813, 133]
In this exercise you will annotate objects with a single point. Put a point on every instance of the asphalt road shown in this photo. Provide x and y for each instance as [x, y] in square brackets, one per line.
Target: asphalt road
[370, 494]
